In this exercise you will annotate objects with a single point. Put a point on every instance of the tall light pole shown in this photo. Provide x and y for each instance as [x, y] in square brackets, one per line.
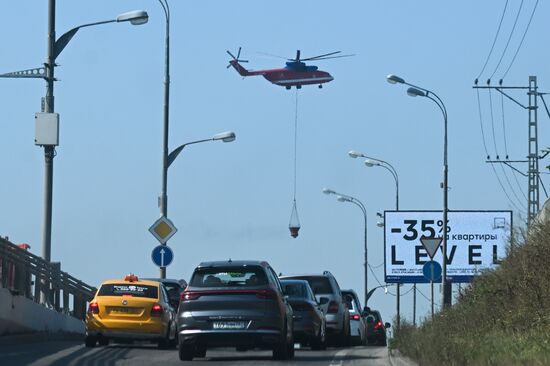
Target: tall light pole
[416, 91]
[370, 162]
[345, 198]
[163, 199]
[228, 136]
[55, 47]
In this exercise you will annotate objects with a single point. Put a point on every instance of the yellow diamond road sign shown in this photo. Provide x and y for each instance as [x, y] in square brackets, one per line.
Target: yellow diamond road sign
[163, 229]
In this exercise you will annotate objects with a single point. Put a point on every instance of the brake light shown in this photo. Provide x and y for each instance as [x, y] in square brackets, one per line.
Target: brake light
[333, 307]
[378, 325]
[265, 294]
[156, 310]
[189, 295]
[355, 317]
[93, 308]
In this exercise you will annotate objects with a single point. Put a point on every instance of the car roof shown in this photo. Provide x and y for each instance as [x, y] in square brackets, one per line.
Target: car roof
[291, 280]
[232, 263]
[164, 280]
[304, 275]
[352, 292]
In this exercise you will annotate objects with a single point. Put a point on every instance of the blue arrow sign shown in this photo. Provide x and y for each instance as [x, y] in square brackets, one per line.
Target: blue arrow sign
[432, 271]
[162, 255]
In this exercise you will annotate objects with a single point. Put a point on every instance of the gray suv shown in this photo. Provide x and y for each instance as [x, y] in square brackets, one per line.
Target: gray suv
[336, 310]
[234, 304]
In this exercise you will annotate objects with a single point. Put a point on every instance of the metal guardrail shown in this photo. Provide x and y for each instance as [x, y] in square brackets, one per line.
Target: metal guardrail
[26, 274]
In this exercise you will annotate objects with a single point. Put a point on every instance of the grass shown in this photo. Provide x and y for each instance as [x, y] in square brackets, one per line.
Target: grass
[502, 318]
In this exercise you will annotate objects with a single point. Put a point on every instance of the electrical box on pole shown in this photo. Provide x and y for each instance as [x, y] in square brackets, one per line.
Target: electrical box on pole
[46, 129]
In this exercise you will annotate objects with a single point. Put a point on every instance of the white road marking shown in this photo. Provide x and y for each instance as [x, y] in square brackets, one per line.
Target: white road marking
[48, 360]
[339, 358]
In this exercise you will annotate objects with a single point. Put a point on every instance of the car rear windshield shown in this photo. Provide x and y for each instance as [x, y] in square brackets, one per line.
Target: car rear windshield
[229, 277]
[294, 290]
[319, 285]
[126, 289]
[350, 300]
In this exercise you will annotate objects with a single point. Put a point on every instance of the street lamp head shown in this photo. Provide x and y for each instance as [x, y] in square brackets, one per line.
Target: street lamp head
[354, 154]
[343, 199]
[414, 92]
[228, 136]
[136, 17]
[394, 79]
[328, 191]
[371, 163]
[380, 223]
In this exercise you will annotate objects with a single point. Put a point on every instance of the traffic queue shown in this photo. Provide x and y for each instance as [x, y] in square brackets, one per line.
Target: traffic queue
[239, 304]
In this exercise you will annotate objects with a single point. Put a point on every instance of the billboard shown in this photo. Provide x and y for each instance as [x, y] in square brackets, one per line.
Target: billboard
[476, 240]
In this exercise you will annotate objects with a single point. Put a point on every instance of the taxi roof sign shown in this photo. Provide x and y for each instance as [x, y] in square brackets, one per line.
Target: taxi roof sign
[163, 229]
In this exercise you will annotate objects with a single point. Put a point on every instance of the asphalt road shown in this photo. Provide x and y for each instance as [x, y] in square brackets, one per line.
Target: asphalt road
[70, 353]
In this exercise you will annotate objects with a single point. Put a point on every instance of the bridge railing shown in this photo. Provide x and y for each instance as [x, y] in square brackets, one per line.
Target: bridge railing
[26, 274]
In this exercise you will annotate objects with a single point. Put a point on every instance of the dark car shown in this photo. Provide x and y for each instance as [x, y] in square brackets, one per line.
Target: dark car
[234, 304]
[376, 329]
[173, 287]
[336, 311]
[309, 318]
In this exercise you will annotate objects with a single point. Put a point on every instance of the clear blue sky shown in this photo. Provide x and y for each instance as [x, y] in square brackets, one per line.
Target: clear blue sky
[234, 200]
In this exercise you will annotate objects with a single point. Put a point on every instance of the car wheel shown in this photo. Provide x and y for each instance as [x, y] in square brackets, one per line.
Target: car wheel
[103, 341]
[186, 352]
[284, 349]
[200, 352]
[90, 341]
[320, 343]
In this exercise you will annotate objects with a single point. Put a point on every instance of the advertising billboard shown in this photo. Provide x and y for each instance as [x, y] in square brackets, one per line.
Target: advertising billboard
[476, 241]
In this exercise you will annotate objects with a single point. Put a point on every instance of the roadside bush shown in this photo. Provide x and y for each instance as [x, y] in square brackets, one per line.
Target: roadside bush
[502, 318]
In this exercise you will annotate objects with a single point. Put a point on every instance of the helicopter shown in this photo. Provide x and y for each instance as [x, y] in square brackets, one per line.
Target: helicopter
[296, 73]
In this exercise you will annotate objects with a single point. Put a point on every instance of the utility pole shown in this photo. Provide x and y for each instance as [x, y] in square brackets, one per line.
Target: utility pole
[533, 174]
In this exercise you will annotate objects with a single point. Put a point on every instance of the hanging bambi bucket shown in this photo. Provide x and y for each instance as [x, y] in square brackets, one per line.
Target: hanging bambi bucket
[294, 225]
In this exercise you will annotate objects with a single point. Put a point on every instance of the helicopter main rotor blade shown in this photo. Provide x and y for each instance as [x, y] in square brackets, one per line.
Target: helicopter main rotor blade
[316, 57]
[272, 55]
[326, 58]
[230, 54]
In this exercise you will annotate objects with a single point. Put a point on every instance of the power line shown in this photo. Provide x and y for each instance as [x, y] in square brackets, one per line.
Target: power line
[521, 42]
[481, 125]
[494, 41]
[508, 42]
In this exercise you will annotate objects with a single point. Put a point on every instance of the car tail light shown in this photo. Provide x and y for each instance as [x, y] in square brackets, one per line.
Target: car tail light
[378, 325]
[355, 317]
[266, 294]
[333, 307]
[156, 310]
[93, 308]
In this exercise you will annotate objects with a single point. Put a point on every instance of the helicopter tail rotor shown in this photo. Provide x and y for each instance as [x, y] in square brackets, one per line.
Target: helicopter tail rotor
[235, 59]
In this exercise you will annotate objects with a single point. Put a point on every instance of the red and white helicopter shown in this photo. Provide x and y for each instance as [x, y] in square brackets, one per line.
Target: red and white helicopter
[296, 73]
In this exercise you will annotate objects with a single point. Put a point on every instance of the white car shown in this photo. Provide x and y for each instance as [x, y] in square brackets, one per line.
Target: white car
[358, 326]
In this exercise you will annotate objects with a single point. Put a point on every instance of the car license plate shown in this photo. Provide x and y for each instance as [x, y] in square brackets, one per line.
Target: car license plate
[122, 310]
[229, 325]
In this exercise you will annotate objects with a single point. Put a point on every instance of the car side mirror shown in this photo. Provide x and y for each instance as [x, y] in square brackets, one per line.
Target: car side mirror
[323, 300]
[387, 325]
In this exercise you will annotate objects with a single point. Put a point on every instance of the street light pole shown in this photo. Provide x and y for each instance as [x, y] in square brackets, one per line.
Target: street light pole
[370, 162]
[355, 201]
[415, 91]
[163, 200]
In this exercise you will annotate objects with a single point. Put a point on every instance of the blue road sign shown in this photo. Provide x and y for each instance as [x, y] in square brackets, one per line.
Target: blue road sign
[162, 255]
[432, 271]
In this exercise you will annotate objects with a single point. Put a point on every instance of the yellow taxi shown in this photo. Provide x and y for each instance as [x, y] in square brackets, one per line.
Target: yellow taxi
[131, 309]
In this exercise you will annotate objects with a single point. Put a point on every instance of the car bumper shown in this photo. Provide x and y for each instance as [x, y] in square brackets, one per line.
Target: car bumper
[230, 338]
[149, 329]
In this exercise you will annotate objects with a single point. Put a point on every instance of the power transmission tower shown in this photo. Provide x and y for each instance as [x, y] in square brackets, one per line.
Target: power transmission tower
[533, 174]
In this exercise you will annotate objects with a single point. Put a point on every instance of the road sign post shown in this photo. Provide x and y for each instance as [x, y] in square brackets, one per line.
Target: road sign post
[162, 255]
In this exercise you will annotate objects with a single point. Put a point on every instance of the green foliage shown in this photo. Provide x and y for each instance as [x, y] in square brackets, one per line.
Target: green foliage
[502, 318]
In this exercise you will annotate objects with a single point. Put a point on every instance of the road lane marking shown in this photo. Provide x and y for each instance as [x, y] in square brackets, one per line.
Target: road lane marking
[339, 358]
[48, 360]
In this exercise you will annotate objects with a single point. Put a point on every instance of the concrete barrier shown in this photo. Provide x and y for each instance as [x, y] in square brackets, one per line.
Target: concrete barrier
[21, 315]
